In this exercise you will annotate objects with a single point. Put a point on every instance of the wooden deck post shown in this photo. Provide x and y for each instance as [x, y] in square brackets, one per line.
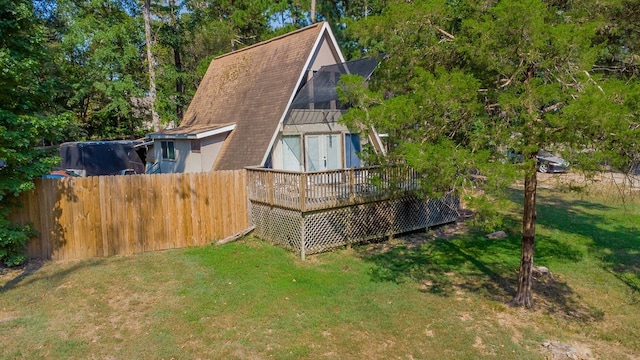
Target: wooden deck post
[270, 188]
[303, 208]
[302, 238]
[303, 192]
[352, 182]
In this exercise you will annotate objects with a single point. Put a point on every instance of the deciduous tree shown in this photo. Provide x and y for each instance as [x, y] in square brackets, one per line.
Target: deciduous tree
[26, 119]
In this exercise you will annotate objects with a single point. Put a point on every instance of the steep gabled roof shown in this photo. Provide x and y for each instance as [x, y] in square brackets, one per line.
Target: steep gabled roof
[252, 88]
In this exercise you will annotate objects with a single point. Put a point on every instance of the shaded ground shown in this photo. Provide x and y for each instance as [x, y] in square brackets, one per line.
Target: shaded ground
[10, 276]
[404, 256]
[552, 295]
[576, 239]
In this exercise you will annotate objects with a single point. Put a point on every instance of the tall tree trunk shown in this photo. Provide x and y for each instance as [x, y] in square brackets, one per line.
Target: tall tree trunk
[177, 59]
[179, 85]
[313, 11]
[155, 118]
[523, 295]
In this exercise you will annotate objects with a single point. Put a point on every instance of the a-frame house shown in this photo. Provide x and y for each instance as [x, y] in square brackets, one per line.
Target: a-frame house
[270, 105]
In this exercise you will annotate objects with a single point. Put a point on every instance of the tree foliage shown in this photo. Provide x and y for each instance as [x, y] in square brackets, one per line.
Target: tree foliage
[97, 47]
[465, 81]
[27, 119]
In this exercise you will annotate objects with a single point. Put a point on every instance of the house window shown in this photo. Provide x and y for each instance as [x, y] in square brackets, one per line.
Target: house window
[291, 152]
[352, 144]
[195, 146]
[168, 150]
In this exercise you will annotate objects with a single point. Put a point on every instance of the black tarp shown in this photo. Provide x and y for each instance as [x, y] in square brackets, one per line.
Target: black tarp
[101, 157]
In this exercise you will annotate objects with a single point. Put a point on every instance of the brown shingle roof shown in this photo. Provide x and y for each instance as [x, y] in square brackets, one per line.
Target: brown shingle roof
[251, 88]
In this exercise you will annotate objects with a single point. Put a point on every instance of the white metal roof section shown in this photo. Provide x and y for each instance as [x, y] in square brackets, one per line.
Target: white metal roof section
[192, 132]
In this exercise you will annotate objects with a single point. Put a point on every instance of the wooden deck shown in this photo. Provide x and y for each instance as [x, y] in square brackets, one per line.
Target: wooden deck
[313, 191]
[318, 211]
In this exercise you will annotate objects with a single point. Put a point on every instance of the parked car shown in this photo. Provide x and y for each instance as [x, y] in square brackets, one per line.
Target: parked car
[547, 161]
[550, 163]
[58, 174]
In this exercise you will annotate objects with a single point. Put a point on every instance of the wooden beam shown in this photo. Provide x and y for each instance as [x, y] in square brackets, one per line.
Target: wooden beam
[235, 237]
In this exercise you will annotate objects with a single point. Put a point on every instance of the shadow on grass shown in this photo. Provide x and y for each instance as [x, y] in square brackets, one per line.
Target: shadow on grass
[438, 264]
[27, 274]
[23, 272]
[488, 267]
[479, 265]
[610, 241]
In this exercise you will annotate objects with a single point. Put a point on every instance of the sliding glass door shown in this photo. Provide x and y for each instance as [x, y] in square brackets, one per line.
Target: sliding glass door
[323, 152]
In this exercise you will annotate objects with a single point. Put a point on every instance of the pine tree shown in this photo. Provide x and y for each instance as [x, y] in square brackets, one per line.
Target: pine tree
[465, 82]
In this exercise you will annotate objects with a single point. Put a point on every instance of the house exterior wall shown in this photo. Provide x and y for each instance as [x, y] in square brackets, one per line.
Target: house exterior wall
[211, 147]
[193, 161]
[277, 161]
[181, 148]
[189, 161]
[325, 55]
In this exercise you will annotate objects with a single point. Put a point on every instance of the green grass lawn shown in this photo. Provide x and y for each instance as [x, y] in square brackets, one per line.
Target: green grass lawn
[436, 299]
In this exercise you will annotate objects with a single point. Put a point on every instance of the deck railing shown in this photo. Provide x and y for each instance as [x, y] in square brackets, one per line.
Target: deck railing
[312, 191]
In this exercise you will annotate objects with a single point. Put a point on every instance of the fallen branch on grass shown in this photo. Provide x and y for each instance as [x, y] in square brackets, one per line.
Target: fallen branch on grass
[235, 237]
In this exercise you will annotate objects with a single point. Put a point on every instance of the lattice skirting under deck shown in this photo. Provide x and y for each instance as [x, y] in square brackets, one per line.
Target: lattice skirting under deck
[319, 231]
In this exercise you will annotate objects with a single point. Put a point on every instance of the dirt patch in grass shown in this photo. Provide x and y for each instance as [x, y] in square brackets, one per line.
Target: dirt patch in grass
[414, 239]
[601, 185]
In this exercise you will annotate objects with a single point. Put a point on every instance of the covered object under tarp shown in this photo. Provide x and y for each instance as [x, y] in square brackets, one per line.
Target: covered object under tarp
[95, 158]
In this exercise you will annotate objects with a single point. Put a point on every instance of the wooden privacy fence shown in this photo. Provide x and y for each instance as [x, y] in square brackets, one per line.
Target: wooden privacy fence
[116, 215]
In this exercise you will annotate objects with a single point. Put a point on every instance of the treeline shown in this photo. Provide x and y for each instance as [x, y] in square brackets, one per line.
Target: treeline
[120, 68]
